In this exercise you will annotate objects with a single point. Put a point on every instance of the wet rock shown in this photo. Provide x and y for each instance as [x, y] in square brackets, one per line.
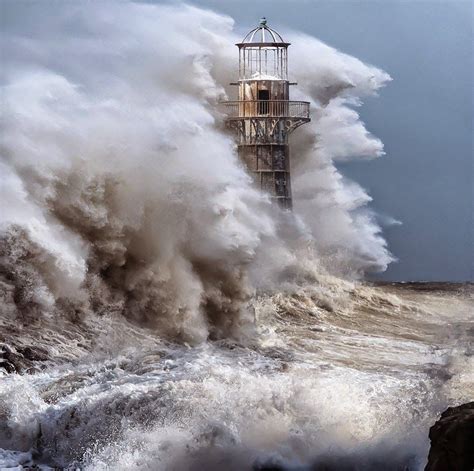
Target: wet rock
[7, 366]
[34, 353]
[452, 440]
[10, 361]
[16, 359]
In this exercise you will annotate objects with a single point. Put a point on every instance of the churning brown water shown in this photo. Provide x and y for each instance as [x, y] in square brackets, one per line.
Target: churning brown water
[341, 375]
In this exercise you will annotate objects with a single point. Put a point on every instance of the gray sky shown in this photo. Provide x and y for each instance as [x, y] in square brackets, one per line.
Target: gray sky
[424, 117]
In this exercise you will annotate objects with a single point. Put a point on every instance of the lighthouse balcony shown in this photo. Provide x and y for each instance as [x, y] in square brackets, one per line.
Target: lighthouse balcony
[266, 109]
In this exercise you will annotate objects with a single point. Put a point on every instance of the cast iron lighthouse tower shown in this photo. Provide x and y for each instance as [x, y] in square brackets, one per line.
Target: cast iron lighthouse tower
[263, 117]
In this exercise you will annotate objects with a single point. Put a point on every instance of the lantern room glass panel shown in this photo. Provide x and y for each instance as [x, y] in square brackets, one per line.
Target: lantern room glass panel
[263, 62]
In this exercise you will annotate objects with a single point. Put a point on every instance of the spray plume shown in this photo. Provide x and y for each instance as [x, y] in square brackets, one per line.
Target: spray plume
[121, 190]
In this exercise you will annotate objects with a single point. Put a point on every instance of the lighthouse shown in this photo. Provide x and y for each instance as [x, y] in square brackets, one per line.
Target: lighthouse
[263, 116]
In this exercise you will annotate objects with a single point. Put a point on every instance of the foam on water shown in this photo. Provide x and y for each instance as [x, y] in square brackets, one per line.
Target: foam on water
[314, 386]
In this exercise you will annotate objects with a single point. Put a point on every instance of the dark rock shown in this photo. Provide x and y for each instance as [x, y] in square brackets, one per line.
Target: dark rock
[7, 366]
[34, 353]
[452, 440]
[12, 362]
[21, 359]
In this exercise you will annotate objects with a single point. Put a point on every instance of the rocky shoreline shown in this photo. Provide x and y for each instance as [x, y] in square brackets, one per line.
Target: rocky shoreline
[452, 440]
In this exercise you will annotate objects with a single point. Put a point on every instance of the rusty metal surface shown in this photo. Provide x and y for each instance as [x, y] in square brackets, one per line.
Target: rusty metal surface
[263, 116]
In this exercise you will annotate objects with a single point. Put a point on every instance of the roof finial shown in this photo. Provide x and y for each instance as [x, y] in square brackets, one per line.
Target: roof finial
[263, 21]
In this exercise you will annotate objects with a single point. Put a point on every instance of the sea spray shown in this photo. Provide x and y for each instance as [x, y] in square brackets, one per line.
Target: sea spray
[119, 171]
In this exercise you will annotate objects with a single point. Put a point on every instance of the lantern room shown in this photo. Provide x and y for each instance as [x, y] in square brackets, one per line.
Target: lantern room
[263, 55]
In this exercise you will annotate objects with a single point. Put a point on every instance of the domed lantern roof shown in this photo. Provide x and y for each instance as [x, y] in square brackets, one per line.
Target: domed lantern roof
[263, 35]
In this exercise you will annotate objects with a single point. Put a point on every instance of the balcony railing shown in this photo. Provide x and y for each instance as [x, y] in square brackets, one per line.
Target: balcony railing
[266, 108]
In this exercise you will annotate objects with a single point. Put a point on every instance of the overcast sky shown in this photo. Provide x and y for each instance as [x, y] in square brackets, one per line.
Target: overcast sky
[424, 117]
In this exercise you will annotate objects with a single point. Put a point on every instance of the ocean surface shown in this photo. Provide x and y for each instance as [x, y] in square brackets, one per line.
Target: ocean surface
[334, 375]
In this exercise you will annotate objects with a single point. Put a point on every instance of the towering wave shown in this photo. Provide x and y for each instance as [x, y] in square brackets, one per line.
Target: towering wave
[122, 191]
